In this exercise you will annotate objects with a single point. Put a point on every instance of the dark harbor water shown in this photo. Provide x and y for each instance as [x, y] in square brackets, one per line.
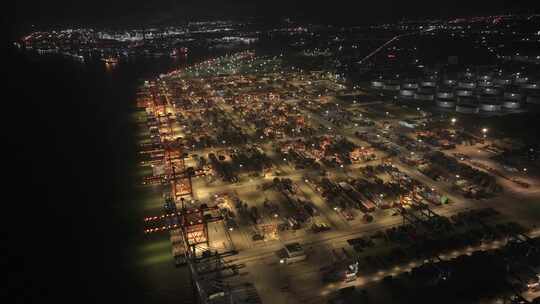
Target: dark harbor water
[74, 209]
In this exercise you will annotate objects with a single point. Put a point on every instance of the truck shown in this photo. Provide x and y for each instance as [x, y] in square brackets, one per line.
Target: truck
[292, 253]
[255, 216]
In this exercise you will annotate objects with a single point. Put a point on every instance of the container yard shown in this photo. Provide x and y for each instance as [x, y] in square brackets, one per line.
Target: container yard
[293, 184]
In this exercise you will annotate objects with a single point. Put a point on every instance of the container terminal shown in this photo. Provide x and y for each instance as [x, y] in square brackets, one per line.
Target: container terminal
[289, 185]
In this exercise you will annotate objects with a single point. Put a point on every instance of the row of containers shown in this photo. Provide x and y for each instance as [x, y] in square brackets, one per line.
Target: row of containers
[467, 93]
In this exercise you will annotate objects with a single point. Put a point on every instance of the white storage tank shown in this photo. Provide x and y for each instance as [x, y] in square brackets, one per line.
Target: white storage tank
[424, 96]
[492, 91]
[445, 94]
[450, 82]
[428, 83]
[490, 106]
[467, 84]
[463, 93]
[377, 84]
[426, 90]
[467, 100]
[406, 93]
[484, 77]
[409, 85]
[468, 74]
[511, 104]
[513, 95]
[485, 83]
[529, 85]
[446, 103]
[502, 81]
[533, 98]
[467, 108]
[520, 79]
[391, 85]
[433, 76]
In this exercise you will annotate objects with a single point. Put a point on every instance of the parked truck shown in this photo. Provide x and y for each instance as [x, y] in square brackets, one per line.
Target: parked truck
[292, 253]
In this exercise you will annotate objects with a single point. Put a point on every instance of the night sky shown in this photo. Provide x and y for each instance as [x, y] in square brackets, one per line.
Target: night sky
[342, 11]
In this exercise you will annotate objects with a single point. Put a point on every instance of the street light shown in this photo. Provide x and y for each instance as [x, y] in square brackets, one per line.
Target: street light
[453, 120]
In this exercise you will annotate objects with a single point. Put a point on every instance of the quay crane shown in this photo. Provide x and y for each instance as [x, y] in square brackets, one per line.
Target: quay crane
[188, 225]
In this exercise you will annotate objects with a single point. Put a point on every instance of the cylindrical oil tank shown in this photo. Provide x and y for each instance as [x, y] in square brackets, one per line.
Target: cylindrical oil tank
[409, 85]
[533, 98]
[424, 96]
[432, 76]
[468, 74]
[377, 84]
[463, 93]
[426, 90]
[490, 106]
[391, 85]
[520, 79]
[529, 85]
[428, 83]
[446, 103]
[467, 100]
[449, 82]
[485, 83]
[492, 91]
[467, 108]
[484, 77]
[513, 95]
[445, 94]
[502, 81]
[406, 93]
[511, 104]
[467, 84]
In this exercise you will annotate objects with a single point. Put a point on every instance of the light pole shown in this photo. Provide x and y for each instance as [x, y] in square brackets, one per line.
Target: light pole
[484, 132]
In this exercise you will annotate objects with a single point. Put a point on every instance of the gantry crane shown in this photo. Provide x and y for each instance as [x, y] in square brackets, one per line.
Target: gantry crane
[187, 225]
